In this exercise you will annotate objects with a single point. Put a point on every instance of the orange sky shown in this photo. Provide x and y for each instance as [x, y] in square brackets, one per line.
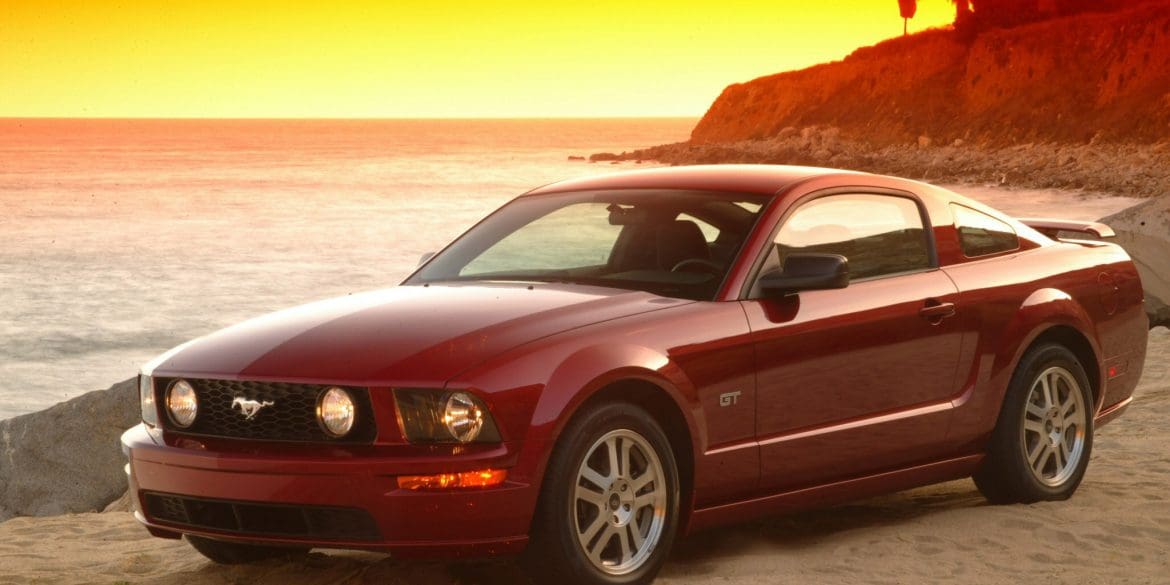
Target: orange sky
[407, 58]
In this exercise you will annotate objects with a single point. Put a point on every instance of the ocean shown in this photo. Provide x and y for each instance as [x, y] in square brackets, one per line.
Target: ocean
[122, 238]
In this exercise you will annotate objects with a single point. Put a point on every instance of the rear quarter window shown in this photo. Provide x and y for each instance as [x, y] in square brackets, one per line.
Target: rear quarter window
[982, 235]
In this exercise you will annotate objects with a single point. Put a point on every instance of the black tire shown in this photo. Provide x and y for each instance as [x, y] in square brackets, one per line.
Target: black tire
[1007, 474]
[235, 553]
[555, 553]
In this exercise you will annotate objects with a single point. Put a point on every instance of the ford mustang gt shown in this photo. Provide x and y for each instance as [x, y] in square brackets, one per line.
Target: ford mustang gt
[605, 364]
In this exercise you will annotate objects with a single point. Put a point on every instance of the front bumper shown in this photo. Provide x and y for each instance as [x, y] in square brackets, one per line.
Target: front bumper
[286, 498]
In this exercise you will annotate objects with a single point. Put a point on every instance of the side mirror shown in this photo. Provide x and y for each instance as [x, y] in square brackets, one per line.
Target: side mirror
[806, 272]
[423, 259]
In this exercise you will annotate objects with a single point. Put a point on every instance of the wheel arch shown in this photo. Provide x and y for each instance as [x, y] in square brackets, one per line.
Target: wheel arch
[1053, 316]
[1075, 341]
[611, 397]
[592, 373]
[631, 374]
[658, 403]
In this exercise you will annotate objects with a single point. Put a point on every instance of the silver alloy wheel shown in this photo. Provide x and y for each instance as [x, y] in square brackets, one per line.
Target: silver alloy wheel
[619, 503]
[1053, 434]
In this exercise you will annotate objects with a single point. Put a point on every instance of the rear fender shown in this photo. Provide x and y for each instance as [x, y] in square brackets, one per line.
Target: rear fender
[979, 406]
[1042, 310]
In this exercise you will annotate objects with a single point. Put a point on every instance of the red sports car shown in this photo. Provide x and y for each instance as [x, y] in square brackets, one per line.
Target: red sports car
[604, 364]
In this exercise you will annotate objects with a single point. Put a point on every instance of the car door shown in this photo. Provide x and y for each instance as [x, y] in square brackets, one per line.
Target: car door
[856, 380]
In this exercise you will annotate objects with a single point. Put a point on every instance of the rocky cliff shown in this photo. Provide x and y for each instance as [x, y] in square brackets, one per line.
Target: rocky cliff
[1079, 79]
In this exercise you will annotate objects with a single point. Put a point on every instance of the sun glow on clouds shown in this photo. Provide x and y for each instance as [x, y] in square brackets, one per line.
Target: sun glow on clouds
[247, 58]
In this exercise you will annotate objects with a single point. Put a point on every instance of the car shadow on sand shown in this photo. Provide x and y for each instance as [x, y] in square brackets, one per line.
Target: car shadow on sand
[705, 552]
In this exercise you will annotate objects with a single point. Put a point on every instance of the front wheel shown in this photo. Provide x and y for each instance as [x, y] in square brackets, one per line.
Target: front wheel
[1041, 444]
[609, 506]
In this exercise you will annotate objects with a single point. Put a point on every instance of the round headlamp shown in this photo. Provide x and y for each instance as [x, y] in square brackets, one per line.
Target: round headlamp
[463, 417]
[336, 412]
[182, 404]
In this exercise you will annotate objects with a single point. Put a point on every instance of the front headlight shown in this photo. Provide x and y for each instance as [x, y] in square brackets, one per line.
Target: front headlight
[463, 417]
[182, 404]
[336, 412]
[434, 416]
[146, 400]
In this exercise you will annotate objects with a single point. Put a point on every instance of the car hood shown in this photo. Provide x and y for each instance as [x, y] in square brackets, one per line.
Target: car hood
[403, 335]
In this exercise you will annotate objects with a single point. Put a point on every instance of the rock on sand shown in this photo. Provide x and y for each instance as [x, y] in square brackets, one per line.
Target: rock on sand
[66, 458]
[1144, 231]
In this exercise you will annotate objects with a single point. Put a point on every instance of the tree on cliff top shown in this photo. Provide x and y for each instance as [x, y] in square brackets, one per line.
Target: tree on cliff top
[908, 8]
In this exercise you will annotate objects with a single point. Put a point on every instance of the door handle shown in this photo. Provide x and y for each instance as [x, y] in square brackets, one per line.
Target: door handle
[935, 311]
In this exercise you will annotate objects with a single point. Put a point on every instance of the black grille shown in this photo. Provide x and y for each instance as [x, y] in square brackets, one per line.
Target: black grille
[292, 416]
[311, 522]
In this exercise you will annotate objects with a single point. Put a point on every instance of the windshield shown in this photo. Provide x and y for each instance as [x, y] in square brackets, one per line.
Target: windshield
[671, 243]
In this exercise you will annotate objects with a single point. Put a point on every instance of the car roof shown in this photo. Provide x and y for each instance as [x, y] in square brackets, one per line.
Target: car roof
[761, 179]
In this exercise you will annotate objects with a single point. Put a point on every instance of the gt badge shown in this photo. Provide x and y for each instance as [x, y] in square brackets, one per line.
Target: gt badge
[729, 398]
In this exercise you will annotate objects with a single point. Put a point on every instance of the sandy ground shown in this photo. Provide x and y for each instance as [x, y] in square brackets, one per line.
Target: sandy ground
[1116, 529]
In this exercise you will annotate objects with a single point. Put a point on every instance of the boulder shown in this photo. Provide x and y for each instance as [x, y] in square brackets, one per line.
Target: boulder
[67, 458]
[1144, 231]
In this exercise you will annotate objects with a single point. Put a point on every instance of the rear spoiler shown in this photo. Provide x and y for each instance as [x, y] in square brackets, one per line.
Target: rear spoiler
[1053, 227]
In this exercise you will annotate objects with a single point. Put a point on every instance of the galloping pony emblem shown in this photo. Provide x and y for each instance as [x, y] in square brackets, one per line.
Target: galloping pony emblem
[249, 408]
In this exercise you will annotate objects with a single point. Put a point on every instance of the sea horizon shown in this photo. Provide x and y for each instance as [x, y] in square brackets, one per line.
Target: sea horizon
[346, 118]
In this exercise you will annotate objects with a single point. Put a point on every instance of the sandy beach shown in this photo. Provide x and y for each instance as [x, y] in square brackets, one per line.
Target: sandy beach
[1116, 529]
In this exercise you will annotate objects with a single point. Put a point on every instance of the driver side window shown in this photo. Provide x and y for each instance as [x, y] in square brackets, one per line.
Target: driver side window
[879, 234]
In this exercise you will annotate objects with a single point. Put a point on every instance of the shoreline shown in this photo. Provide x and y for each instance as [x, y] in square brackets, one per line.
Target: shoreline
[1120, 169]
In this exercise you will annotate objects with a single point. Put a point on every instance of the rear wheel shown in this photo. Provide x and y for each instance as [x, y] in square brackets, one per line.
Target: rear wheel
[1041, 444]
[235, 553]
[609, 506]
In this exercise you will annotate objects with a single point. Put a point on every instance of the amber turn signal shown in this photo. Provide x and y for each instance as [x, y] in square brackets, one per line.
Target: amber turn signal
[468, 479]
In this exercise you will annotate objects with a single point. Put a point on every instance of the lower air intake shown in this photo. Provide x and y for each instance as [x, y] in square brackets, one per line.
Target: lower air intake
[250, 518]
